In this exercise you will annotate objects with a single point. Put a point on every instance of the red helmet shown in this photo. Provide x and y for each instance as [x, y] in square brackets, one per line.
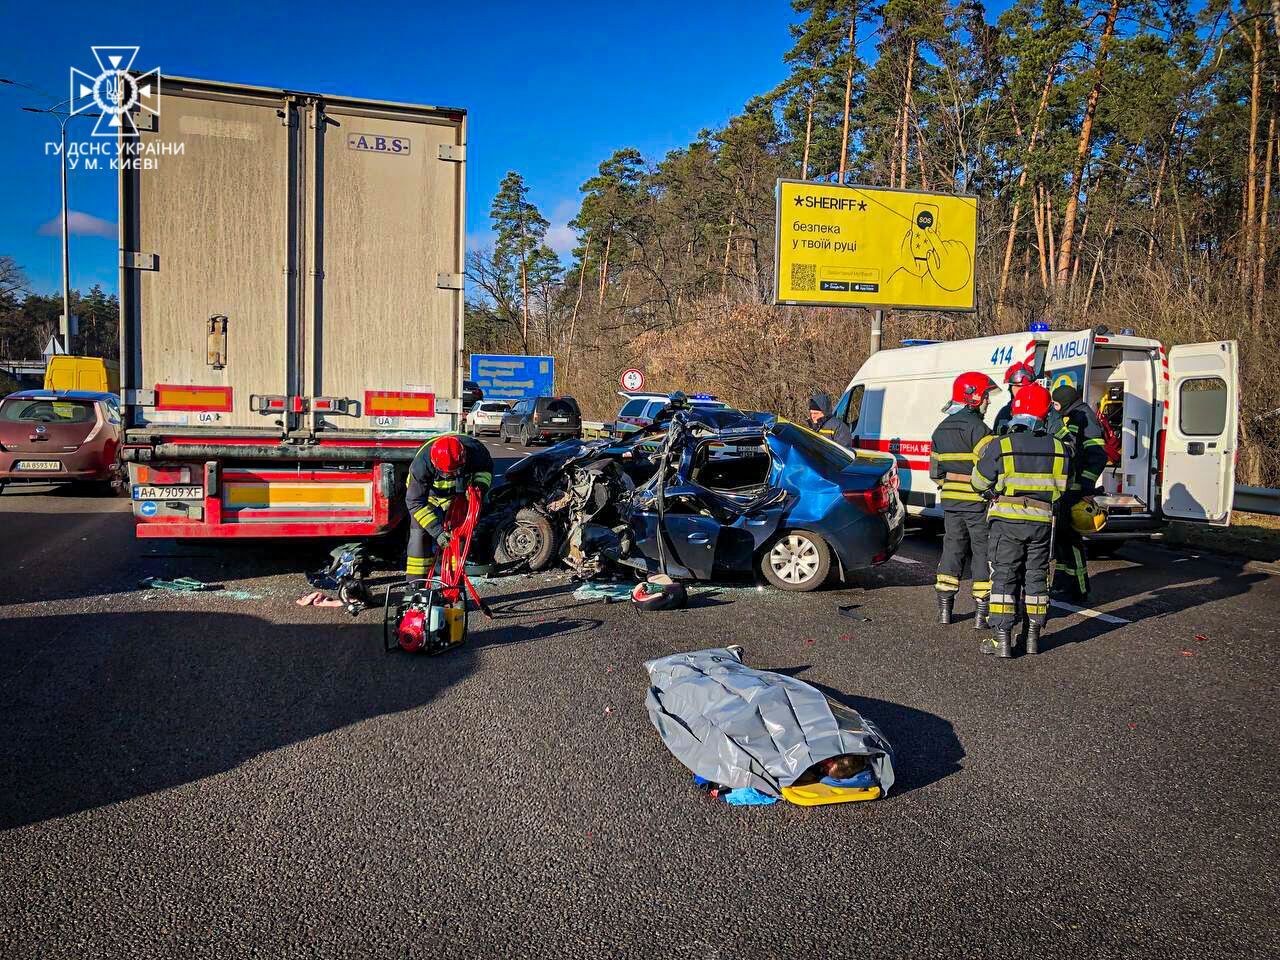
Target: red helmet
[448, 455]
[1032, 399]
[1021, 372]
[972, 388]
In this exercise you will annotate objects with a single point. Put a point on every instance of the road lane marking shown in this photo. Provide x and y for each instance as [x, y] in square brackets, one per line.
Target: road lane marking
[1086, 612]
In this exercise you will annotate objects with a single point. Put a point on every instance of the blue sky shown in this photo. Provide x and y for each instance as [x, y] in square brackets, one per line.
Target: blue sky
[552, 88]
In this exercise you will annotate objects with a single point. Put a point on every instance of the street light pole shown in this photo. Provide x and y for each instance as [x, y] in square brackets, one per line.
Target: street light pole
[64, 326]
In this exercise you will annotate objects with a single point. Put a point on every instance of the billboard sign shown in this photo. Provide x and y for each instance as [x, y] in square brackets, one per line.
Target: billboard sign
[861, 246]
[505, 377]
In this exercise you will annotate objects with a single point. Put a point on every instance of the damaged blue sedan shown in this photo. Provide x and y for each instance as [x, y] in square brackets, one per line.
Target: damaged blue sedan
[707, 495]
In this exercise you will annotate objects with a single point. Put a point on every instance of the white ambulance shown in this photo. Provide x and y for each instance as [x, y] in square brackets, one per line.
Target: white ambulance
[1175, 413]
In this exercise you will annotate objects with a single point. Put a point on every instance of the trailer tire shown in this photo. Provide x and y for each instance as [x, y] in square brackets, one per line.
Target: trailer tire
[527, 538]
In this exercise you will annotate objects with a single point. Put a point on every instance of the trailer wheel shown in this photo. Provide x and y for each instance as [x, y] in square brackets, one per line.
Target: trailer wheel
[527, 538]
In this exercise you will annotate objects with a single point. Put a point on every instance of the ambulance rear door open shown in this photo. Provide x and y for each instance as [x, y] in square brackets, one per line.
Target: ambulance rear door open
[1067, 358]
[1200, 440]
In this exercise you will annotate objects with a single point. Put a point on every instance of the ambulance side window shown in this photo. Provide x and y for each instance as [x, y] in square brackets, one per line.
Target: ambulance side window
[851, 406]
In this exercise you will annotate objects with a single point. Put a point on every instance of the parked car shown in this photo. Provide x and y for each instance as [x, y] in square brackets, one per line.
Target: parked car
[485, 417]
[471, 395]
[739, 494]
[543, 418]
[639, 409]
[60, 436]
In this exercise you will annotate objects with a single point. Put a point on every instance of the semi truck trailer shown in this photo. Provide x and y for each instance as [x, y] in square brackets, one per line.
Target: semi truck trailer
[291, 307]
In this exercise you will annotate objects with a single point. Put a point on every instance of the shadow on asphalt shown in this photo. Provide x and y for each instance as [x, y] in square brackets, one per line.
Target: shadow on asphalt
[100, 708]
[1177, 590]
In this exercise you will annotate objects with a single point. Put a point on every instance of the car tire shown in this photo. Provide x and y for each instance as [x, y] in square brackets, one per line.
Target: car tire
[2, 486]
[528, 538]
[525, 440]
[797, 561]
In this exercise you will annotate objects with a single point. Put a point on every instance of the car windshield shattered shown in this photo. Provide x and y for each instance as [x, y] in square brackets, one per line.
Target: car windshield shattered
[700, 494]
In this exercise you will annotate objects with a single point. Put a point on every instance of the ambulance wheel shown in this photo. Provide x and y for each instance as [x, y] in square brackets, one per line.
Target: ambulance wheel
[528, 538]
[1103, 548]
[798, 561]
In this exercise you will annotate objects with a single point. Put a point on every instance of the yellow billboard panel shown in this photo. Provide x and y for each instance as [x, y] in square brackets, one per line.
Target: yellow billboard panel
[872, 247]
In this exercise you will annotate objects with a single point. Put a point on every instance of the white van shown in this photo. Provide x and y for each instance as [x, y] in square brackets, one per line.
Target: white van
[1176, 414]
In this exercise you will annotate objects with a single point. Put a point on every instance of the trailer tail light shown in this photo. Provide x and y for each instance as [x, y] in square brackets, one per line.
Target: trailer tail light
[398, 403]
[172, 396]
[163, 476]
[264, 403]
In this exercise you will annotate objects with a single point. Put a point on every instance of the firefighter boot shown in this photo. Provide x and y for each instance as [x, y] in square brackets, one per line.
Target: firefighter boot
[1001, 645]
[1033, 637]
[946, 601]
[980, 614]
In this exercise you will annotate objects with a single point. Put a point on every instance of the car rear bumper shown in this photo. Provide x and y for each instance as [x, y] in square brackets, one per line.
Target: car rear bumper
[80, 465]
[556, 431]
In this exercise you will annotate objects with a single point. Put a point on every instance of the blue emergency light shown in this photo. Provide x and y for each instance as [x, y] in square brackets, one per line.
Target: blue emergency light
[703, 396]
[1040, 326]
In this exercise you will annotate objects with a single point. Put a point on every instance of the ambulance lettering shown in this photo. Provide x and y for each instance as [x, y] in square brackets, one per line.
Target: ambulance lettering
[1071, 350]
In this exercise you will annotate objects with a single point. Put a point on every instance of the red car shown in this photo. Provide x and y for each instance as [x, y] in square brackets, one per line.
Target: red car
[59, 436]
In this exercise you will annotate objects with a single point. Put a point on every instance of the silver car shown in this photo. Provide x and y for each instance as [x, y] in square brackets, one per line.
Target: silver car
[485, 417]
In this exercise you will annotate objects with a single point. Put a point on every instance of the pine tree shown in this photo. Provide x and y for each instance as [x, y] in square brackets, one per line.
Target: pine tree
[520, 230]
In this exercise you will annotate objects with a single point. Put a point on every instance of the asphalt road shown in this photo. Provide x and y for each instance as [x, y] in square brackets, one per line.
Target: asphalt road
[229, 774]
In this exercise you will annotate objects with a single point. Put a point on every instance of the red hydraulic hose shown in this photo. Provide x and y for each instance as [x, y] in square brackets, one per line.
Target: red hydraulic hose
[460, 522]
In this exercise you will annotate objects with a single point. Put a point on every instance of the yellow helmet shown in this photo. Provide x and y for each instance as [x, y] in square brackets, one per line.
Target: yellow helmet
[1087, 516]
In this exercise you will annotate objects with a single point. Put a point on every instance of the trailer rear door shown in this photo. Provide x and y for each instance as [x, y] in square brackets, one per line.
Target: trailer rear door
[1200, 440]
[385, 247]
[205, 234]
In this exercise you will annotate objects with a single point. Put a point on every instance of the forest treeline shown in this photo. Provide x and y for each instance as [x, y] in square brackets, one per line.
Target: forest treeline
[1124, 156]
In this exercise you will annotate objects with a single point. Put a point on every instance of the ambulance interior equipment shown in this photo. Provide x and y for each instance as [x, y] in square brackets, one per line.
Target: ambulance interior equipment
[1175, 412]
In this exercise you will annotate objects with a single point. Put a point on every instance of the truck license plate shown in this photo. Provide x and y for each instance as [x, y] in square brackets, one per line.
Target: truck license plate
[38, 465]
[167, 493]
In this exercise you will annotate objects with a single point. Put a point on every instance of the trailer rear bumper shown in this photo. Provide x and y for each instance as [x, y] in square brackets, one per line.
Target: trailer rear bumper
[251, 502]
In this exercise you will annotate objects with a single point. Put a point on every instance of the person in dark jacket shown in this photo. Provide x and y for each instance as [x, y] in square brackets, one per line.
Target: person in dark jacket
[1082, 435]
[957, 444]
[824, 422]
[443, 468]
[1026, 471]
[1015, 378]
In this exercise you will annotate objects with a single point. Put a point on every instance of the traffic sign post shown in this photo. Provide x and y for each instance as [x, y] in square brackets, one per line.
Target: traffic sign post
[632, 379]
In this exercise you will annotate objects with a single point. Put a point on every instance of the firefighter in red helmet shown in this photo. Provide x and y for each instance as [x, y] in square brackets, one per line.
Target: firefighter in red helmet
[442, 469]
[1025, 473]
[957, 444]
[1015, 378]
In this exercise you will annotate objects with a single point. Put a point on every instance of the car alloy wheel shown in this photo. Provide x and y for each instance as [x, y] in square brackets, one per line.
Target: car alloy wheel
[798, 560]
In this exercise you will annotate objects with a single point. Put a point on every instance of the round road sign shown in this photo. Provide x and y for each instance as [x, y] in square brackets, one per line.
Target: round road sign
[632, 379]
[147, 508]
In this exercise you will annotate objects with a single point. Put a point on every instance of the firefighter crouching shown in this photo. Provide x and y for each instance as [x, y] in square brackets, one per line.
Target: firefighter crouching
[1082, 435]
[442, 469]
[957, 444]
[1026, 473]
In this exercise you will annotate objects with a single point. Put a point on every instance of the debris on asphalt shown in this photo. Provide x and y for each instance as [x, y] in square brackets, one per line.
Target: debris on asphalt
[737, 727]
[1188, 653]
[1201, 637]
[849, 611]
[317, 599]
[177, 585]
[601, 590]
[659, 592]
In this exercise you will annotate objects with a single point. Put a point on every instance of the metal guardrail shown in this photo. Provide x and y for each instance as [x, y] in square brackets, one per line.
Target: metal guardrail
[1257, 500]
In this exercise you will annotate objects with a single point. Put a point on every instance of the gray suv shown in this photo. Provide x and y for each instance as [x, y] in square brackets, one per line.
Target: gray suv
[543, 418]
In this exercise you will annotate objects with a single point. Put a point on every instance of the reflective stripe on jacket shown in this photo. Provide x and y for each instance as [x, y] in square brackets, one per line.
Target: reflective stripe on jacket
[1082, 433]
[957, 444]
[428, 493]
[1027, 471]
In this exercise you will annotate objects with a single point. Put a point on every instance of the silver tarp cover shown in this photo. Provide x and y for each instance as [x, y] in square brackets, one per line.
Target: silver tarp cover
[751, 728]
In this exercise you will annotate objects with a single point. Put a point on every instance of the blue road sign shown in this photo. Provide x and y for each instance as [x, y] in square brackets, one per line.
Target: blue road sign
[147, 508]
[505, 377]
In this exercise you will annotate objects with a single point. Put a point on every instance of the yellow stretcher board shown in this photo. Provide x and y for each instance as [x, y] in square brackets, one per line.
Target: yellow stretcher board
[873, 247]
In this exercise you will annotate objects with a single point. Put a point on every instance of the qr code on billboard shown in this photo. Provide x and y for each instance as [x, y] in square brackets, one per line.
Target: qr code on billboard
[804, 276]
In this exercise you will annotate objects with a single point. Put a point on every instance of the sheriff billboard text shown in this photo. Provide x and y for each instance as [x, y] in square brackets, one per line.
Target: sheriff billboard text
[870, 247]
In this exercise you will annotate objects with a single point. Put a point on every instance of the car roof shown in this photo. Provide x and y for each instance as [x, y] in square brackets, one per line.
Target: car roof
[709, 402]
[61, 395]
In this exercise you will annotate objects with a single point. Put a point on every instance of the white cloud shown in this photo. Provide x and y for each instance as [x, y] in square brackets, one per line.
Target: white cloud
[562, 239]
[80, 224]
[480, 239]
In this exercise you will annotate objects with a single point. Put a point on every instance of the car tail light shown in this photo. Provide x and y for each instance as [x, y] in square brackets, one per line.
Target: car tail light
[163, 476]
[879, 499]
